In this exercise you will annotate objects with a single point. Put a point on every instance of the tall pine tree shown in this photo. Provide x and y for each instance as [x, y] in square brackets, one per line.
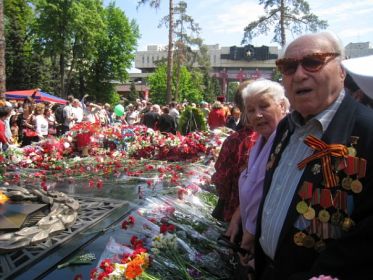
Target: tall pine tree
[292, 15]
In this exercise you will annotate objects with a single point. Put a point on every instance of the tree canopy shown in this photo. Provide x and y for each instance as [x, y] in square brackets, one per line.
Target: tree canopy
[281, 15]
[190, 85]
[68, 46]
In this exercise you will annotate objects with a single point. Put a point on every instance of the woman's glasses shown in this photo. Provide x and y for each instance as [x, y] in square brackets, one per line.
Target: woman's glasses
[311, 63]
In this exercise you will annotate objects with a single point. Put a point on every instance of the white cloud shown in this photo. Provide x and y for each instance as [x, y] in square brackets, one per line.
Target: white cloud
[234, 18]
[343, 10]
[355, 32]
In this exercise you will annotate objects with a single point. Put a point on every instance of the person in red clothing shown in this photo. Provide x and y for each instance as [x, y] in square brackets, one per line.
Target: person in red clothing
[4, 114]
[217, 116]
[231, 161]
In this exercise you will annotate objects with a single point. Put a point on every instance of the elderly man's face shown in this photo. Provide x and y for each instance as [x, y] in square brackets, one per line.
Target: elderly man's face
[312, 92]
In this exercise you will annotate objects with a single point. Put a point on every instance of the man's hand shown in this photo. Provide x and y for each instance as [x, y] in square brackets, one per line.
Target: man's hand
[247, 243]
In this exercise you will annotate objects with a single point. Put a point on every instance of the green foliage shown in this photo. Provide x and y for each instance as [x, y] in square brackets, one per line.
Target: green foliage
[192, 119]
[68, 46]
[69, 31]
[157, 83]
[294, 16]
[232, 89]
[212, 88]
[114, 98]
[189, 84]
[19, 59]
[133, 94]
[115, 50]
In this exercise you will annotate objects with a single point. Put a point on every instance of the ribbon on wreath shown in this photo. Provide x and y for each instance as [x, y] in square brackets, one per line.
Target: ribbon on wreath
[324, 152]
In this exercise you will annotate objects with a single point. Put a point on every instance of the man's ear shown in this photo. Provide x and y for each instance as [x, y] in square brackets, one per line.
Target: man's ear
[342, 73]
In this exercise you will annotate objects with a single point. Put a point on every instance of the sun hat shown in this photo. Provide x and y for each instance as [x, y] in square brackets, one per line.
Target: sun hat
[361, 71]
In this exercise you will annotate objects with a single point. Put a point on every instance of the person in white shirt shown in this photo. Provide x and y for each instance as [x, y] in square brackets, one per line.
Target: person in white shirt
[77, 111]
[40, 122]
[68, 114]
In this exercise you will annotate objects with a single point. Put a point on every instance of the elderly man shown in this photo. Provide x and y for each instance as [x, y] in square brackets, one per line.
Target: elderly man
[316, 215]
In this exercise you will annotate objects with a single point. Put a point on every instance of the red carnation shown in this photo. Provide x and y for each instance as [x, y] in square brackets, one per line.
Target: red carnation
[163, 228]
[171, 228]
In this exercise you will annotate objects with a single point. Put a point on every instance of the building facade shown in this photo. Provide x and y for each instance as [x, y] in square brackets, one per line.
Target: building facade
[232, 63]
[227, 63]
[358, 49]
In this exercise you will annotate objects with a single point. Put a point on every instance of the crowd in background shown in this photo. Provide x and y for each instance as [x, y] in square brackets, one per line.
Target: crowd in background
[26, 121]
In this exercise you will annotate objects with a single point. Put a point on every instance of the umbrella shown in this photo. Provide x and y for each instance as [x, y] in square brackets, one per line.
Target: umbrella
[39, 96]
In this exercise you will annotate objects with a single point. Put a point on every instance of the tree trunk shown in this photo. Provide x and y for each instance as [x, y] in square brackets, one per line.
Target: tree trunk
[62, 75]
[170, 53]
[2, 49]
[282, 23]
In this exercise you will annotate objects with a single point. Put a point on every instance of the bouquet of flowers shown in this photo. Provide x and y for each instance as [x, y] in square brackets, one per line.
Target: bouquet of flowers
[83, 132]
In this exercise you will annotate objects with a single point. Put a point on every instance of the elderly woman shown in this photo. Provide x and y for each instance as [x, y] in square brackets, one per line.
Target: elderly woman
[265, 106]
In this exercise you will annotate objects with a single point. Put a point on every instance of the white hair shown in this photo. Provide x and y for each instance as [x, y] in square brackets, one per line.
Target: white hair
[263, 86]
[330, 36]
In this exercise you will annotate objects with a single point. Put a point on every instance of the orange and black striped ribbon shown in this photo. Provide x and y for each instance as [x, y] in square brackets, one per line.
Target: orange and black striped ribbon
[324, 152]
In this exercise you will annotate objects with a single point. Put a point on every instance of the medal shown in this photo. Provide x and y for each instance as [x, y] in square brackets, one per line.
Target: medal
[302, 207]
[351, 151]
[305, 192]
[346, 183]
[298, 238]
[324, 216]
[336, 218]
[316, 168]
[356, 186]
[310, 214]
[308, 241]
[325, 202]
[347, 224]
[301, 223]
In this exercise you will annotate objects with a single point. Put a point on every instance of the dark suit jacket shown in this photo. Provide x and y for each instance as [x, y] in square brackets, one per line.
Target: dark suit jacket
[351, 256]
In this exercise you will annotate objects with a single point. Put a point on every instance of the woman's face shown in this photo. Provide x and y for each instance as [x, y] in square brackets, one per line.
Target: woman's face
[264, 113]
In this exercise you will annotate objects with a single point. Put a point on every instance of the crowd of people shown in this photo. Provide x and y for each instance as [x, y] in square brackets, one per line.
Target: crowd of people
[27, 121]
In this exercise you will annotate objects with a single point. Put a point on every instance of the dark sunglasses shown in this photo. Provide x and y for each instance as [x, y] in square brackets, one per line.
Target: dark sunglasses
[311, 63]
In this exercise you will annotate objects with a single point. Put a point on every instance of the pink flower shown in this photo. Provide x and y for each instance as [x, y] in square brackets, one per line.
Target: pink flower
[323, 277]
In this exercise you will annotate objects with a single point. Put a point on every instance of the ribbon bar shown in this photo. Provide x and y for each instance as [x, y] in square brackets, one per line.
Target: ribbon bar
[324, 152]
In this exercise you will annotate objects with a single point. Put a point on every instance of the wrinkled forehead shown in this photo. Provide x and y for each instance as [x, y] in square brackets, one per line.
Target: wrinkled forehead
[308, 45]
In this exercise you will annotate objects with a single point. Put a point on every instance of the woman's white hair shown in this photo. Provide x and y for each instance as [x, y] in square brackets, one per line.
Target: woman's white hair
[267, 87]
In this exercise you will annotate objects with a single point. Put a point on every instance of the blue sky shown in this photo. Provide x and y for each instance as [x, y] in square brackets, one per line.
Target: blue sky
[222, 22]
